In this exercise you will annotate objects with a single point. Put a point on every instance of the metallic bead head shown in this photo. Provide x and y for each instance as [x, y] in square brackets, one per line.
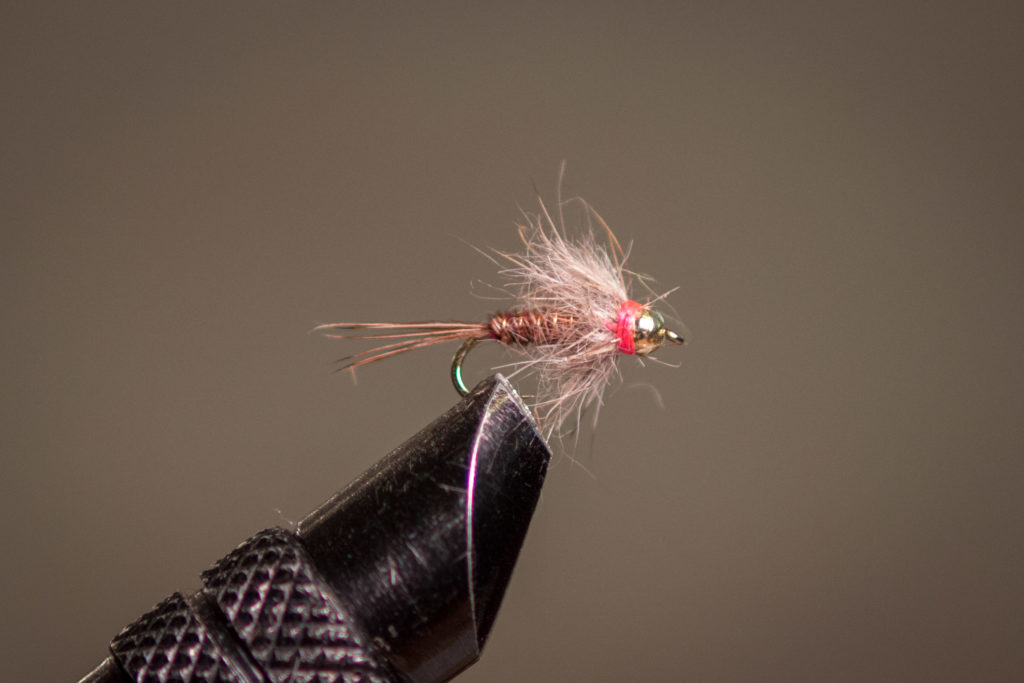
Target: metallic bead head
[650, 332]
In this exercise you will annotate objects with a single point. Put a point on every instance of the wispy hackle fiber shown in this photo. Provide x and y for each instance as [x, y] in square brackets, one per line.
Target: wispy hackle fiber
[582, 280]
[569, 286]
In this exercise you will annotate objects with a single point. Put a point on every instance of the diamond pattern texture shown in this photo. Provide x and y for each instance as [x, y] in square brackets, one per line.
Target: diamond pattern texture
[282, 610]
[168, 644]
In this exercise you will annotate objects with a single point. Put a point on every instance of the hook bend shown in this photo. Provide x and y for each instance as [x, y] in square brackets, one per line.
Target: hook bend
[457, 361]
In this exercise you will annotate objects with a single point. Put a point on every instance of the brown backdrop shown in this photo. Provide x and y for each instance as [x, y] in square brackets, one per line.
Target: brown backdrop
[832, 488]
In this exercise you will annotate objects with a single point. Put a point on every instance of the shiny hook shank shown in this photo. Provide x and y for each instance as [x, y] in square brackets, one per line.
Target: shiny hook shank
[457, 361]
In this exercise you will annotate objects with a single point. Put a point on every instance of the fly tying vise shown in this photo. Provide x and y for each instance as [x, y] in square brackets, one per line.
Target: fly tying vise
[573, 315]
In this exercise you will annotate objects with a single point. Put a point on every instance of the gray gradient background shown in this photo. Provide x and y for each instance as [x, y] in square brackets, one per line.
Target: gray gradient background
[832, 490]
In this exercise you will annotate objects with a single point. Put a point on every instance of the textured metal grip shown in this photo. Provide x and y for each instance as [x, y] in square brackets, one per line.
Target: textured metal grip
[171, 643]
[396, 577]
[265, 614]
[286, 615]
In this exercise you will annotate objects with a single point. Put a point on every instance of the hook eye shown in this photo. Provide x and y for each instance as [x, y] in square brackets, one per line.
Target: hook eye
[676, 331]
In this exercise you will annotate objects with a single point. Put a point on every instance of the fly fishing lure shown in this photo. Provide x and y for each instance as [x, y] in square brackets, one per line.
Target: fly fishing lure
[572, 317]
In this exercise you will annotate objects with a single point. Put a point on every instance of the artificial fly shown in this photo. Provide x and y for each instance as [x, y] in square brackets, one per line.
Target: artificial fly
[573, 315]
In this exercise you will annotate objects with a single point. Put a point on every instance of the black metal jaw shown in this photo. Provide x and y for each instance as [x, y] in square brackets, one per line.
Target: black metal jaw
[398, 577]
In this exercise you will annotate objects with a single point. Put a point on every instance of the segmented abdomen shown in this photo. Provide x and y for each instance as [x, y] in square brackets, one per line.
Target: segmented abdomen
[531, 327]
